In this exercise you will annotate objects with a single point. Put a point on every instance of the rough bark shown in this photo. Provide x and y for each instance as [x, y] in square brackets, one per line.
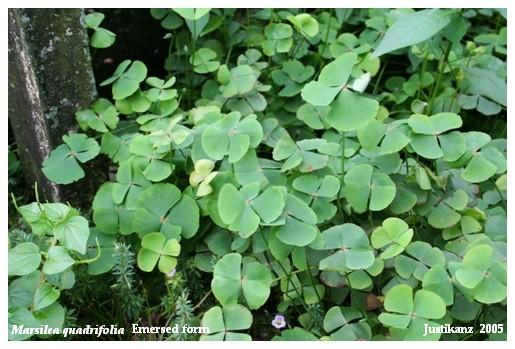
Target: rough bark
[50, 78]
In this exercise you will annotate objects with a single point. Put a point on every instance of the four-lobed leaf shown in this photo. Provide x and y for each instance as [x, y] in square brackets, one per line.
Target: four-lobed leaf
[368, 188]
[411, 313]
[233, 277]
[222, 322]
[392, 237]
[62, 165]
[126, 78]
[154, 248]
[243, 210]
[353, 249]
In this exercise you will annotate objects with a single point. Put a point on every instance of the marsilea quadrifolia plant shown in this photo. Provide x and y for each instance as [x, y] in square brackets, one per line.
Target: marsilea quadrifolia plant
[344, 168]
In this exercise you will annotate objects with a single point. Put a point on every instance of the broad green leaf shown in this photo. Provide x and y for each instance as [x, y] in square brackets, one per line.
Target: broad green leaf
[45, 295]
[192, 14]
[411, 29]
[102, 38]
[318, 94]
[486, 83]
[93, 20]
[24, 258]
[57, 260]
[73, 233]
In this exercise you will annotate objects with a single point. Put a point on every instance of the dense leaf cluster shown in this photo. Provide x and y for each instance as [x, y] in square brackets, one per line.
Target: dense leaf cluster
[329, 160]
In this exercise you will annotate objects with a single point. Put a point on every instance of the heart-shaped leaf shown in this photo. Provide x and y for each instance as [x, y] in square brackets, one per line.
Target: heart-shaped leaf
[24, 258]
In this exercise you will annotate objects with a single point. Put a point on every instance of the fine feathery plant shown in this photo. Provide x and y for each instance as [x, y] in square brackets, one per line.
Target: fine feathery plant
[343, 169]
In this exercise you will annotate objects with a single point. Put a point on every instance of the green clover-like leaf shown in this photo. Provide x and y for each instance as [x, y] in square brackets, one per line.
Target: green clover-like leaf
[320, 192]
[353, 249]
[151, 158]
[222, 322]
[351, 112]
[240, 81]
[111, 217]
[299, 228]
[126, 78]
[333, 79]
[203, 61]
[244, 209]
[62, 165]
[192, 14]
[301, 154]
[278, 38]
[341, 323]
[305, 24]
[154, 248]
[202, 176]
[482, 274]
[130, 181]
[428, 138]
[231, 278]
[231, 136]
[438, 281]
[162, 208]
[411, 313]
[291, 77]
[102, 116]
[423, 256]
[366, 187]
[483, 159]
[392, 237]
[101, 37]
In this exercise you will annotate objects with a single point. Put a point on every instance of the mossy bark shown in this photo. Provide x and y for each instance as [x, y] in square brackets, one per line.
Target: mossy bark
[50, 78]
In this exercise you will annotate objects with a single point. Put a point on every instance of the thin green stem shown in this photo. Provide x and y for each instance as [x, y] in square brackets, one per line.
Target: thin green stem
[421, 76]
[380, 77]
[339, 199]
[436, 86]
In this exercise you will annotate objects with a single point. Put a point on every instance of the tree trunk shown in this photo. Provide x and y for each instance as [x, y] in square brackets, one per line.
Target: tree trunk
[50, 78]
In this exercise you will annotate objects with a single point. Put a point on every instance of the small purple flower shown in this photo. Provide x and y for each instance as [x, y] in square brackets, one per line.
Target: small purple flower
[279, 322]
